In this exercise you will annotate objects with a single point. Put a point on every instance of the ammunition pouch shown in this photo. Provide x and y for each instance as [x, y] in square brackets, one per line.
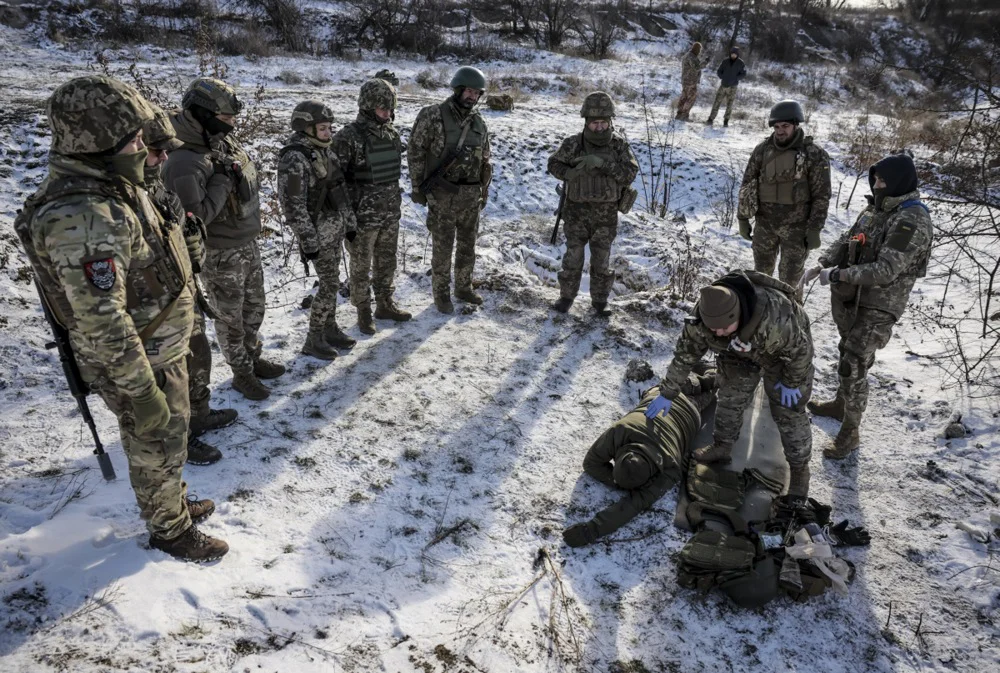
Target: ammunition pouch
[627, 200]
[711, 558]
[716, 487]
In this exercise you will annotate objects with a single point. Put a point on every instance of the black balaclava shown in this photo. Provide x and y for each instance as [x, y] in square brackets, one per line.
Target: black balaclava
[899, 174]
[212, 124]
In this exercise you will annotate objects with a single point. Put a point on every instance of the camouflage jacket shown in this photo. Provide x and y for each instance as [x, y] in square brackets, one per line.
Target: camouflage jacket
[305, 171]
[374, 205]
[622, 168]
[110, 266]
[663, 441]
[810, 184]
[896, 249]
[201, 173]
[427, 142]
[776, 337]
[691, 67]
[172, 211]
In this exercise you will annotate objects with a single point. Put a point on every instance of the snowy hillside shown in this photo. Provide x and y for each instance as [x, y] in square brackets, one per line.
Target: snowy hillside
[401, 508]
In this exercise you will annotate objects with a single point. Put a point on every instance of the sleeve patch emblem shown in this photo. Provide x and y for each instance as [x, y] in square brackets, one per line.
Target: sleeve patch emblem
[101, 273]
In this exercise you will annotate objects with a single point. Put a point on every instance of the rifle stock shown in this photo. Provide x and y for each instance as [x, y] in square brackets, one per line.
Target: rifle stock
[562, 201]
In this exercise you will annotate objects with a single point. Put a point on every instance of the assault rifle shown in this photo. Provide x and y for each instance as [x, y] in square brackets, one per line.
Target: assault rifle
[562, 201]
[77, 386]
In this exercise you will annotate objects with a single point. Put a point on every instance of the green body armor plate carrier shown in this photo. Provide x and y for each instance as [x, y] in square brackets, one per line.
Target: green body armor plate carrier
[468, 166]
[383, 162]
[711, 557]
[779, 176]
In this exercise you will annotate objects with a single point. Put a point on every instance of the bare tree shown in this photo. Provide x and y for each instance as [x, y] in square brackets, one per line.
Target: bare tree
[555, 18]
[598, 26]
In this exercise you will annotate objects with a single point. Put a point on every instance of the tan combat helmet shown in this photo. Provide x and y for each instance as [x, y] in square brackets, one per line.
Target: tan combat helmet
[95, 114]
[212, 94]
[158, 133]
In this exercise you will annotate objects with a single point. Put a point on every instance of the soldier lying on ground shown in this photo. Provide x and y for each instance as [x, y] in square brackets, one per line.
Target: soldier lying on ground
[642, 456]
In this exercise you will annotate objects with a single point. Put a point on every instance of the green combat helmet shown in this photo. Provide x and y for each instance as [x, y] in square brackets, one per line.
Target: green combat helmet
[212, 94]
[158, 133]
[375, 93]
[308, 113]
[786, 111]
[469, 78]
[598, 104]
[94, 114]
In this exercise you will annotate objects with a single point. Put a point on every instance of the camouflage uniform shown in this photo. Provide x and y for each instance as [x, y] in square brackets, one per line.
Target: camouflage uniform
[115, 276]
[371, 153]
[590, 211]
[217, 181]
[872, 291]
[691, 67]
[453, 210]
[774, 342]
[787, 189]
[308, 169]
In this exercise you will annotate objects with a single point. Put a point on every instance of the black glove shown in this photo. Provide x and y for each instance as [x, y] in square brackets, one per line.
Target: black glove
[579, 535]
[350, 236]
[417, 197]
[311, 255]
[850, 537]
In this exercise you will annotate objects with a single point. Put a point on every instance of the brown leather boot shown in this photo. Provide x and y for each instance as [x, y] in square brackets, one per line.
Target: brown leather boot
[470, 296]
[215, 419]
[199, 509]
[830, 409]
[386, 309]
[365, 322]
[317, 347]
[798, 480]
[191, 545]
[714, 453]
[250, 387]
[265, 369]
[336, 337]
[846, 442]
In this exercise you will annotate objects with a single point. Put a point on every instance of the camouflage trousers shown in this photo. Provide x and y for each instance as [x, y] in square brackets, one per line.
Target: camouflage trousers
[861, 334]
[156, 460]
[234, 282]
[738, 380]
[689, 92]
[770, 238]
[327, 267]
[596, 225]
[199, 367]
[373, 262]
[453, 220]
[727, 94]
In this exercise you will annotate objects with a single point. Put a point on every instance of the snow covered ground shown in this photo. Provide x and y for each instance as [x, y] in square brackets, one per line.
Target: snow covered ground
[400, 509]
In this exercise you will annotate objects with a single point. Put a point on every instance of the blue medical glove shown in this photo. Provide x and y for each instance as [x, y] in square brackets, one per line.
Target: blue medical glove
[789, 396]
[661, 403]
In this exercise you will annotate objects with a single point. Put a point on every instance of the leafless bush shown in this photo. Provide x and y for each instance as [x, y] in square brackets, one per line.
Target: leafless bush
[724, 207]
[555, 18]
[249, 41]
[871, 138]
[598, 26]
[655, 148]
[284, 17]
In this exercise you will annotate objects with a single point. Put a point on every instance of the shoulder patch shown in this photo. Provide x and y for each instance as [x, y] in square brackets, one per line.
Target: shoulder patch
[900, 236]
[100, 273]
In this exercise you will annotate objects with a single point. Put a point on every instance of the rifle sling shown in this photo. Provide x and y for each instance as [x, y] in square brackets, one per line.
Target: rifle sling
[155, 323]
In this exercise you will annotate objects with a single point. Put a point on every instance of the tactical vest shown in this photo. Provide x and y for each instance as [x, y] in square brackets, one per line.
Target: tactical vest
[779, 176]
[244, 200]
[167, 273]
[466, 170]
[383, 161]
[329, 194]
[594, 186]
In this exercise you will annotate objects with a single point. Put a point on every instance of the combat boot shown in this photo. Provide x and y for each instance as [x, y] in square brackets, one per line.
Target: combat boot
[709, 122]
[444, 304]
[601, 309]
[200, 453]
[365, 322]
[386, 309]
[317, 347]
[847, 440]
[468, 295]
[250, 387]
[215, 419]
[191, 545]
[199, 509]
[830, 409]
[725, 122]
[798, 480]
[337, 338]
[562, 305]
[265, 369]
[713, 453]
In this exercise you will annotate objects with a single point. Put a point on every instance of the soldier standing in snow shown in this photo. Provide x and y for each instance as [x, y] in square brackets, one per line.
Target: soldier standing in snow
[730, 72]
[113, 274]
[757, 329]
[217, 181]
[871, 270]
[786, 188]
[450, 173]
[371, 154]
[597, 167]
[691, 67]
[158, 135]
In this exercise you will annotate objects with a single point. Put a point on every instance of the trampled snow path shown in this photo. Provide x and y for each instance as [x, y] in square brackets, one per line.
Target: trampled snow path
[401, 508]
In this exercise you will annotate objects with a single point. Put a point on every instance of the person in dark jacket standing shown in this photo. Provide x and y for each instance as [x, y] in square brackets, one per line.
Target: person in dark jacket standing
[730, 72]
